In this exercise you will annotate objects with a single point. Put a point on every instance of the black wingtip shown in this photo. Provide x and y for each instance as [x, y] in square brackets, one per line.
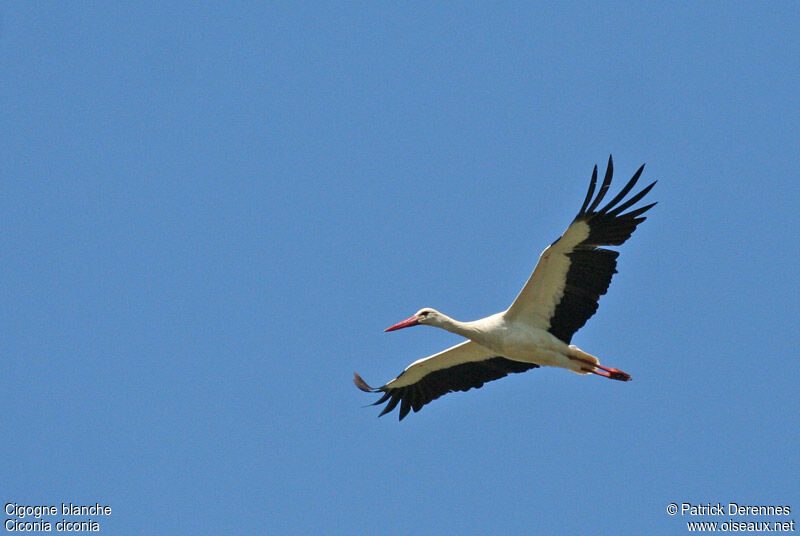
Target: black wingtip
[606, 184]
[361, 384]
[589, 193]
[405, 407]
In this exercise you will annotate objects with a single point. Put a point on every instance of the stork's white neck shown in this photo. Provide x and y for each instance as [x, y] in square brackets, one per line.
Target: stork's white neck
[475, 330]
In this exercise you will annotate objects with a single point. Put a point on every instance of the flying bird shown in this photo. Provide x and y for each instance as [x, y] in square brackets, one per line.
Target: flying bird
[535, 331]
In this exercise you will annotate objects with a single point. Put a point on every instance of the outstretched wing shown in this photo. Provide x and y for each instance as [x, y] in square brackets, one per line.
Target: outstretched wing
[572, 273]
[460, 368]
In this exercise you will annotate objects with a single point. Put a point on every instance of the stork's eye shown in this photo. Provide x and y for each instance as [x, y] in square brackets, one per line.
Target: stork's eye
[424, 313]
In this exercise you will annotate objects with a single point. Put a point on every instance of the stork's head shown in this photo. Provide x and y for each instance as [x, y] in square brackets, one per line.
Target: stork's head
[423, 316]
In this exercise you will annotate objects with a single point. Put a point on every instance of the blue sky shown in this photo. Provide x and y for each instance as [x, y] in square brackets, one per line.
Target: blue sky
[210, 213]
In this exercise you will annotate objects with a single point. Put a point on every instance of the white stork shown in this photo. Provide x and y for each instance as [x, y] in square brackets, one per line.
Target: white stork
[558, 299]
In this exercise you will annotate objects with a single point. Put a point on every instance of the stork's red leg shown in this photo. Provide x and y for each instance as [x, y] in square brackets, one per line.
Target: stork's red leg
[611, 373]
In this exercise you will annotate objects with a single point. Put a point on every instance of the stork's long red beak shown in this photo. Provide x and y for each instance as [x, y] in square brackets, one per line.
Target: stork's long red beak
[407, 323]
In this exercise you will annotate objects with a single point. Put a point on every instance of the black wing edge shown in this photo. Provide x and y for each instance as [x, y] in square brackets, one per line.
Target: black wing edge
[591, 268]
[461, 377]
[609, 226]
